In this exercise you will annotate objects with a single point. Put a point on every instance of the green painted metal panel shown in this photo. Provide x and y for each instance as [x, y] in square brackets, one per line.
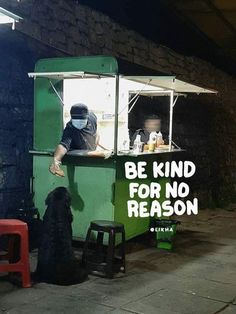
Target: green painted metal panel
[136, 225]
[98, 188]
[48, 124]
[90, 182]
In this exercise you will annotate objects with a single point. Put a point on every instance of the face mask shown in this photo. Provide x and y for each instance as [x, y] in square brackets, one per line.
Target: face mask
[79, 123]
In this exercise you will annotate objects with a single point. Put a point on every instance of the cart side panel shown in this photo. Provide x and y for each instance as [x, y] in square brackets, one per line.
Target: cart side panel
[136, 225]
[48, 124]
[90, 184]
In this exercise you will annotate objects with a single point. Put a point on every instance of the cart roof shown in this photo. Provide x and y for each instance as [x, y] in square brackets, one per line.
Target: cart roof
[170, 83]
[67, 75]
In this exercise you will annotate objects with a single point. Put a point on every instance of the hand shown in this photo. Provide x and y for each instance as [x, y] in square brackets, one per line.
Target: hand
[107, 154]
[55, 169]
[159, 142]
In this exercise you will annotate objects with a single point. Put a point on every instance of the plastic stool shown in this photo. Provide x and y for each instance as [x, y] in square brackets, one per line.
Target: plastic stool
[16, 227]
[96, 260]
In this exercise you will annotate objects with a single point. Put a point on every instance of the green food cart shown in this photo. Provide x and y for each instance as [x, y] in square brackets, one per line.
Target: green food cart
[98, 186]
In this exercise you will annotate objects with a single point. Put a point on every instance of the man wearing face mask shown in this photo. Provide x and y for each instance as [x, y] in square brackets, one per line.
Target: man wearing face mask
[80, 133]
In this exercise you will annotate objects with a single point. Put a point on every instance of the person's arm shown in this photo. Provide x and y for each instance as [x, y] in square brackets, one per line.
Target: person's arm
[55, 166]
[60, 152]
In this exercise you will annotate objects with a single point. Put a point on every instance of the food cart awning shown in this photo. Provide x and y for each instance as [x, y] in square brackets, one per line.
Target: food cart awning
[67, 75]
[160, 82]
[170, 83]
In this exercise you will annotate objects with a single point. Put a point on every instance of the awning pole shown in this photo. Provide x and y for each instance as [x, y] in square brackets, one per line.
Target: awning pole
[176, 98]
[135, 97]
[171, 118]
[133, 104]
[56, 92]
[116, 114]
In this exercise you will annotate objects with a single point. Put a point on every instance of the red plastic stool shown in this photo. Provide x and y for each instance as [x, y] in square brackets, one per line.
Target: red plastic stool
[16, 227]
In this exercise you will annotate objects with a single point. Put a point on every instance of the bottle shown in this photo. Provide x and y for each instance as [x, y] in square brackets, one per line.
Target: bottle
[152, 141]
[159, 139]
[137, 148]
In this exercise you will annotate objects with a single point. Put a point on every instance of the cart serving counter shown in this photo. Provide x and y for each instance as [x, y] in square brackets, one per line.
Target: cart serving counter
[99, 187]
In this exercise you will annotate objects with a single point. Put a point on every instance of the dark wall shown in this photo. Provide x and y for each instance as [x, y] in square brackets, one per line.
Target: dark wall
[161, 23]
[206, 125]
[18, 55]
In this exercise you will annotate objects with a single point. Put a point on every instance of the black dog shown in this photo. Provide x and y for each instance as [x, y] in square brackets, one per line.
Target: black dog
[56, 260]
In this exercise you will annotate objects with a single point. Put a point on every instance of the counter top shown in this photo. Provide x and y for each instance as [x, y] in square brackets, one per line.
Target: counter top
[157, 152]
[83, 153]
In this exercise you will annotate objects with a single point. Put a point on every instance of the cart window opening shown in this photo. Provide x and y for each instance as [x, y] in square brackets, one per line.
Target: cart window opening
[99, 96]
[151, 114]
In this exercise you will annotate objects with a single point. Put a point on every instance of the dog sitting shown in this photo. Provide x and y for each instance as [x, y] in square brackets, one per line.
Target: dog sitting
[56, 260]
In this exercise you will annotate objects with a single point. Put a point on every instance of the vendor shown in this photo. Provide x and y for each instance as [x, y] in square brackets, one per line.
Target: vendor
[80, 133]
[152, 123]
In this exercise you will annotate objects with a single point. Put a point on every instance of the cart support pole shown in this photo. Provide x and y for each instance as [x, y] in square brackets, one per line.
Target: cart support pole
[116, 113]
[171, 118]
